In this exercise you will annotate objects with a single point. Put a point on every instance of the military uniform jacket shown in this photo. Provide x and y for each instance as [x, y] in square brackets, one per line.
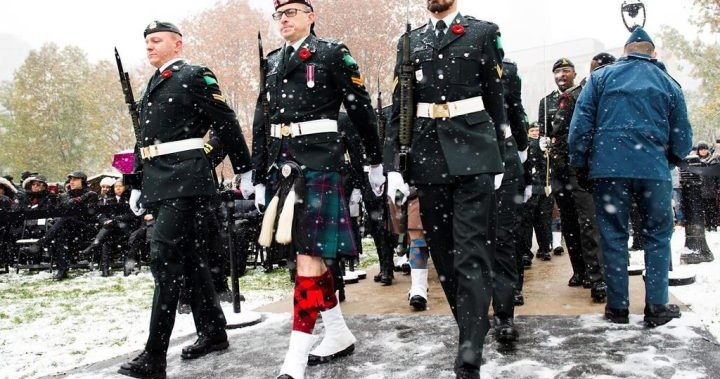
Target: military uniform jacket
[518, 140]
[293, 99]
[560, 130]
[178, 106]
[535, 167]
[549, 103]
[465, 64]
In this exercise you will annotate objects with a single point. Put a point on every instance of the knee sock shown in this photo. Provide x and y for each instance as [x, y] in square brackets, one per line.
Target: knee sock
[418, 254]
[313, 294]
[308, 301]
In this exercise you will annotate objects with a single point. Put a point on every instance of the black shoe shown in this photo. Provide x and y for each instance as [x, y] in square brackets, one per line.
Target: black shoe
[205, 345]
[341, 294]
[543, 255]
[576, 280]
[505, 331]
[386, 277]
[656, 315]
[519, 298]
[405, 268]
[558, 251]
[418, 303]
[617, 316]
[586, 282]
[285, 376]
[61, 274]
[527, 260]
[376, 279]
[695, 258]
[314, 360]
[145, 366]
[598, 292]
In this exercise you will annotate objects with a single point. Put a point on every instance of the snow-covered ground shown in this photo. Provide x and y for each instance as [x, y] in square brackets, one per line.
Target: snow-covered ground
[48, 327]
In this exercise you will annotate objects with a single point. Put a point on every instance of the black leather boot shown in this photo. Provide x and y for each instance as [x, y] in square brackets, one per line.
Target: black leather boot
[205, 345]
[145, 366]
[505, 331]
[617, 316]
[660, 314]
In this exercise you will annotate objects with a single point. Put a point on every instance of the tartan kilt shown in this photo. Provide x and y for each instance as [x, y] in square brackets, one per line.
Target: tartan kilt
[322, 227]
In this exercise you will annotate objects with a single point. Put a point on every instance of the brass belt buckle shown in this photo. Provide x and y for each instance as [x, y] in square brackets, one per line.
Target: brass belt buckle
[145, 152]
[440, 111]
[285, 130]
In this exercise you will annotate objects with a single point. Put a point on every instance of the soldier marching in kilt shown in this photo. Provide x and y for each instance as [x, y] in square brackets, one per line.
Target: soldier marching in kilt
[298, 155]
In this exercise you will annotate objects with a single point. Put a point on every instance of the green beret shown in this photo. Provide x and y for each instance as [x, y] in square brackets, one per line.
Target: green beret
[160, 26]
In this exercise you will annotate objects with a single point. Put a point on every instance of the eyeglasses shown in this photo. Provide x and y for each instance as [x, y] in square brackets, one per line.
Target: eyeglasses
[292, 12]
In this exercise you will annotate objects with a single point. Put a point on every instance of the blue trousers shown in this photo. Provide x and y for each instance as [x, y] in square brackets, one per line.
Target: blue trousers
[613, 199]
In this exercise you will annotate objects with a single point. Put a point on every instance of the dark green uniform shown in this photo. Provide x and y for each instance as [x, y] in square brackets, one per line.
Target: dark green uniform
[452, 164]
[313, 84]
[182, 103]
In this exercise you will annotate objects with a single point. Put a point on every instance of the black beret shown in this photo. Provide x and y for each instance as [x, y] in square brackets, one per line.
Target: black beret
[159, 26]
[280, 3]
[562, 62]
[604, 59]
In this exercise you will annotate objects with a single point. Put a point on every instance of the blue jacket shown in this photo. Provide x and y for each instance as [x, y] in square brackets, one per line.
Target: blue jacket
[630, 121]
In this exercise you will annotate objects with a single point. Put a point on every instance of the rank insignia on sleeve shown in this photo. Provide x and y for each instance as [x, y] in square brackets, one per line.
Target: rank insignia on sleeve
[395, 83]
[499, 71]
[218, 97]
[358, 81]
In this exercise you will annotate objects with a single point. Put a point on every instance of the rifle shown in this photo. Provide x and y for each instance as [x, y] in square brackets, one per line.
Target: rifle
[407, 118]
[129, 98]
[263, 92]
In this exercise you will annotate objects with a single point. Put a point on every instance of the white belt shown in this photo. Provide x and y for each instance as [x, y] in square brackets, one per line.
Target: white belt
[171, 147]
[450, 109]
[296, 129]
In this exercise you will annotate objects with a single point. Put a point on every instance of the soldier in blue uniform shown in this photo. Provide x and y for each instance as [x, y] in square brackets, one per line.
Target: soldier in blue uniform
[180, 103]
[455, 153]
[308, 79]
[629, 127]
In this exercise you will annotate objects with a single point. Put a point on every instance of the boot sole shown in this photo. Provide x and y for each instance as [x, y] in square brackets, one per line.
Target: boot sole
[134, 374]
[216, 347]
[656, 321]
[314, 360]
[507, 338]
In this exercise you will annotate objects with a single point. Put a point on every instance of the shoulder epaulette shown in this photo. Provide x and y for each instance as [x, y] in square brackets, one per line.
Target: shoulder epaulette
[329, 41]
[508, 61]
[274, 51]
[419, 27]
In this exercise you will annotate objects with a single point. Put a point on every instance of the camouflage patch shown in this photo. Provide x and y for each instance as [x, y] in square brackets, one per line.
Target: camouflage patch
[209, 79]
[218, 97]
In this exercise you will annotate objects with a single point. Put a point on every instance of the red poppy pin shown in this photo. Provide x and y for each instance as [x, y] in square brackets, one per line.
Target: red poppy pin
[166, 74]
[458, 29]
[304, 54]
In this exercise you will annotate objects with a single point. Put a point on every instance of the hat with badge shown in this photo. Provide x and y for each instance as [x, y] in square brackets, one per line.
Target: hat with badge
[562, 62]
[160, 26]
[639, 35]
[280, 3]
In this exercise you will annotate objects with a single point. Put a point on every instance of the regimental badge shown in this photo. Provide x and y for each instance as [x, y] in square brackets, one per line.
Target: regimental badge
[286, 170]
[152, 25]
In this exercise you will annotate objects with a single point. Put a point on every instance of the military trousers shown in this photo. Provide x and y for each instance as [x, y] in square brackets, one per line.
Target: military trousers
[579, 226]
[176, 250]
[505, 262]
[613, 200]
[459, 220]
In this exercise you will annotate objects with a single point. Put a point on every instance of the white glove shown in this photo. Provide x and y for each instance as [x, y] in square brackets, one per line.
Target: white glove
[397, 183]
[498, 181]
[356, 196]
[523, 155]
[246, 186]
[377, 179]
[135, 205]
[544, 143]
[259, 196]
[528, 194]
